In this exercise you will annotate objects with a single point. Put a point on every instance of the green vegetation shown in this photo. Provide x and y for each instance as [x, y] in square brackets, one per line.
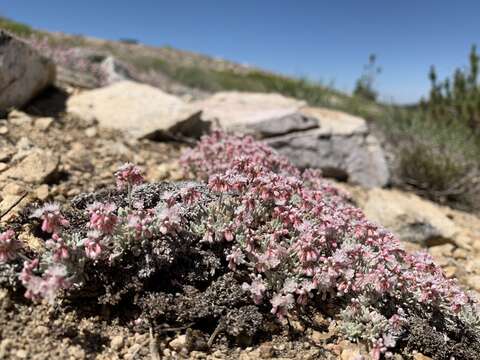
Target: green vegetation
[364, 86]
[212, 80]
[16, 27]
[456, 99]
[439, 161]
[437, 153]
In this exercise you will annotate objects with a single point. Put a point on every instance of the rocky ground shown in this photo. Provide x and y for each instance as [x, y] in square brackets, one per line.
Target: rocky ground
[51, 156]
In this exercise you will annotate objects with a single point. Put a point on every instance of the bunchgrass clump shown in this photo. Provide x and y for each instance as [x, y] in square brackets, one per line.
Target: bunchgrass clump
[436, 159]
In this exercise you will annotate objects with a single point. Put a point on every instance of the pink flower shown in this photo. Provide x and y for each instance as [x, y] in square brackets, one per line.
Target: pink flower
[190, 194]
[128, 175]
[235, 258]
[218, 183]
[93, 244]
[141, 221]
[102, 217]
[8, 246]
[60, 249]
[228, 234]
[53, 220]
[257, 289]
[46, 286]
[170, 220]
[281, 304]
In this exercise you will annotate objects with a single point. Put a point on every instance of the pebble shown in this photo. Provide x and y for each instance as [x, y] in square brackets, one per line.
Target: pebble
[460, 254]
[76, 352]
[179, 343]
[42, 192]
[5, 346]
[450, 271]
[3, 130]
[117, 342]
[266, 350]
[44, 123]
[40, 330]
[474, 282]
[91, 132]
[19, 118]
[21, 354]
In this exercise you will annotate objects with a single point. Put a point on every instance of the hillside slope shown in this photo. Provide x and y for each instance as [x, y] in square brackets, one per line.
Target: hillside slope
[185, 72]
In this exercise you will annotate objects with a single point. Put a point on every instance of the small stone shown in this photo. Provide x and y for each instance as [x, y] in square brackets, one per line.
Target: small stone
[44, 123]
[460, 254]
[135, 348]
[473, 266]
[19, 118]
[36, 167]
[440, 251]
[350, 354]
[3, 130]
[419, 356]
[24, 144]
[318, 337]
[76, 352]
[5, 346]
[450, 271]
[5, 301]
[40, 330]
[3, 166]
[217, 354]
[179, 343]
[42, 192]
[117, 342]
[297, 325]
[167, 353]
[91, 132]
[21, 354]
[474, 282]
[266, 350]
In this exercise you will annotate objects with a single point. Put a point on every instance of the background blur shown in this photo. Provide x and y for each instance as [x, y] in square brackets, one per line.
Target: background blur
[326, 41]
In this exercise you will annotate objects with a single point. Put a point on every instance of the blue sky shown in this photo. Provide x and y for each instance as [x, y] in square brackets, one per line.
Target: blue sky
[324, 40]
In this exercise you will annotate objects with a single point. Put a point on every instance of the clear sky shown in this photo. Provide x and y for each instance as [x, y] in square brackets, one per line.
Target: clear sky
[324, 40]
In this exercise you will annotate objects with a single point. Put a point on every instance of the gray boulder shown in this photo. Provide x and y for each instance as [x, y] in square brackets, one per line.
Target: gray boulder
[341, 147]
[24, 73]
[259, 114]
[335, 142]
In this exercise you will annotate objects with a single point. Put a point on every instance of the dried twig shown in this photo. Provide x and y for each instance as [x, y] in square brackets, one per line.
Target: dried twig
[153, 347]
[174, 329]
[14, 205]
[217, 330]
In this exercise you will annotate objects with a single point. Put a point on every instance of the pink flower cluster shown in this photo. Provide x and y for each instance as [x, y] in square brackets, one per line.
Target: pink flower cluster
[214, 155]
[8, 246]
[103, 217]
[52, 219]
[302, 237]
[45, 286]
[128, 175]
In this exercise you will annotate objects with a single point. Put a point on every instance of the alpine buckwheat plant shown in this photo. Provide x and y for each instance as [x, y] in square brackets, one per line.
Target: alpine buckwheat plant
[293, 240]
[301, 239]
[8, 246]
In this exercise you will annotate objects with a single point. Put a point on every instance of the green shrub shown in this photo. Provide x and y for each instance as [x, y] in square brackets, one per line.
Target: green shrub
[456, 99]
[364, 86]
[438, 160]
[15, 27]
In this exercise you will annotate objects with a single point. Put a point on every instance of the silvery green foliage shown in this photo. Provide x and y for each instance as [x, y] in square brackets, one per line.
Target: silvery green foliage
[296, 238]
